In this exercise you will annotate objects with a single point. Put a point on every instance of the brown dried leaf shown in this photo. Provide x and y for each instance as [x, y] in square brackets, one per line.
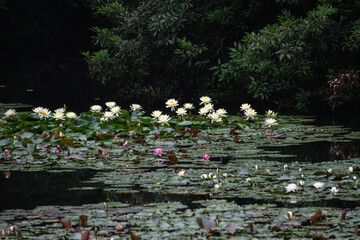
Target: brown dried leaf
[173, 159]
[319, 215]
[83, 220]
[194, 132]
[85, 235]
[66, 224]
[343, 214]
[134, 237]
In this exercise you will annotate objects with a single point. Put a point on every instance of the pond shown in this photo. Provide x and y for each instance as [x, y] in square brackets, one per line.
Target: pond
[131, 178]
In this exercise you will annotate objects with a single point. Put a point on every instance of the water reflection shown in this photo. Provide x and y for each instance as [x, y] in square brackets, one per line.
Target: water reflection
[319, 151]
[27, 190]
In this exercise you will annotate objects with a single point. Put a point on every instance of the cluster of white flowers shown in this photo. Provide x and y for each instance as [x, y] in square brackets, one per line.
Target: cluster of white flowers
[270, 120]
[182, 111]
[112, 110]
[209, 176]
[250, 114]
[59, 114]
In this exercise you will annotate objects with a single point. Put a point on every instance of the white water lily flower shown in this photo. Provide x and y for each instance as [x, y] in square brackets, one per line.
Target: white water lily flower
[110, 104]
[59, 116]
[95, 108]
[291, 187]
[270, 113]
[171, 103]
[135, 107]
[248, 179]
[45, 113]
[250, 114]
[156, 114]
[245, 106]
[115, 110]
[217, 186]
[334, 190]
[182, 173]
[329, 170]
[38, 110]
[301, 183]
[351, 169]
[189, 106]
[204, 176]
[103, 119]
[60, 110]
[209, 107]
[10, 113]
[71, 115]
[181, 112]
[318, 185]
[164, 119]
[222, 112]
[214, 117]
[270, 122]
[205, 100]
[203, 111]
[108, 115]
[289, 215]
[212, 176]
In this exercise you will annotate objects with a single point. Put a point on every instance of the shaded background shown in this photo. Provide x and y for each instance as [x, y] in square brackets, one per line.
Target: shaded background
[41, 62]
[41, 43]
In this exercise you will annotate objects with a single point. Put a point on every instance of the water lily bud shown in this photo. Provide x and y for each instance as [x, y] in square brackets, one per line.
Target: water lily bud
[289, 215]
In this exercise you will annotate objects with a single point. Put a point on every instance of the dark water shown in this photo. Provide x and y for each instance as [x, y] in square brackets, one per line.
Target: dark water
[27, 190]
[319, 151]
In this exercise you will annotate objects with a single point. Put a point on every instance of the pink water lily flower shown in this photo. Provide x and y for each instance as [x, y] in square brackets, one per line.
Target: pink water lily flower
[126, 142]
[206, 157]
[115, 138]
[7, 152]
[158, 151]
[103, 152]
[267, 132]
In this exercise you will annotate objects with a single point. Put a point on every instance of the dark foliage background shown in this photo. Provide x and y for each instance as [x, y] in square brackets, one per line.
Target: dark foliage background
[289, 55]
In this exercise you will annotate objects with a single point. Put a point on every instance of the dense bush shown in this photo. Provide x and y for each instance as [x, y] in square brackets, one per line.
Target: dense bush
[289, 62]
[158, 49]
